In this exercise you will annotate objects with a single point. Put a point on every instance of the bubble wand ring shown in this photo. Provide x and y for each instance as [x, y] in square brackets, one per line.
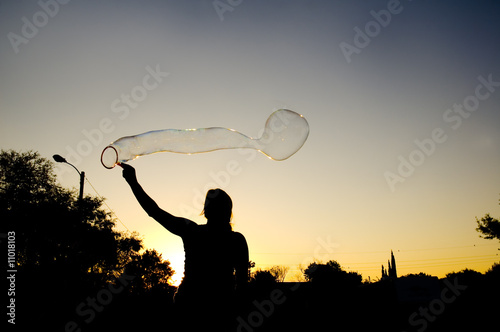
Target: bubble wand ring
[109, 150]
[284, 134]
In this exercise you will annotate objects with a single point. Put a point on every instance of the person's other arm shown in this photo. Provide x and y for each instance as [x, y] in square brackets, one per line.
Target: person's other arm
[241, 267]
[175, 225]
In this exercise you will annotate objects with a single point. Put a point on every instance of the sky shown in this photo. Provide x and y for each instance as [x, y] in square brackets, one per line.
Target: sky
[402, 99]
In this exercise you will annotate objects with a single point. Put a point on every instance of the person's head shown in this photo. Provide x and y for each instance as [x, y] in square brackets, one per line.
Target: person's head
[218, 208]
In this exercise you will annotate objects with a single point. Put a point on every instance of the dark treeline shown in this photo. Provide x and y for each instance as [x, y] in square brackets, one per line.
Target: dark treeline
[75, 272]
[73, 267]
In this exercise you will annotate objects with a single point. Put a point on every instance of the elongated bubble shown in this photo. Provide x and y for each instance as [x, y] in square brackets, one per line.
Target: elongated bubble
[284, 134]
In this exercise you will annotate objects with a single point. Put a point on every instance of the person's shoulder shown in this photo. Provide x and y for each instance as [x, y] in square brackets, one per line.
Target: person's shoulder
[237, 236]
[189, 226]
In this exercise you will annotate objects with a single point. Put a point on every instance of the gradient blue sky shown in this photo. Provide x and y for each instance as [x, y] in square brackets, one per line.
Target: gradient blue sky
[61, 89]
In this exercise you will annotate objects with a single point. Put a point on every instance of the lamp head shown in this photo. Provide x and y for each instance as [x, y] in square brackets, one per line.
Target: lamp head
[59, 159]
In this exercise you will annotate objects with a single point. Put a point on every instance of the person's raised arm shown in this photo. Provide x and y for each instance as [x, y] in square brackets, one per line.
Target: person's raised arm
[175, 225]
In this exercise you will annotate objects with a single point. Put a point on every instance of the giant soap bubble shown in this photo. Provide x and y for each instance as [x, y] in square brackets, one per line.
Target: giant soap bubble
[284, 134]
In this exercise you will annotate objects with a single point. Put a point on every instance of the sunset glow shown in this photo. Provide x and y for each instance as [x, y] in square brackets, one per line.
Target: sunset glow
[401, 97]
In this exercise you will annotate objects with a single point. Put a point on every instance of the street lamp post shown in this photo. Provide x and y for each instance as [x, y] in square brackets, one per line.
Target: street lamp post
[60, 159]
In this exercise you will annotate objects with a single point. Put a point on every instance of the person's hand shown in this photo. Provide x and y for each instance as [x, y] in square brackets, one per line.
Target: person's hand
[128, 172]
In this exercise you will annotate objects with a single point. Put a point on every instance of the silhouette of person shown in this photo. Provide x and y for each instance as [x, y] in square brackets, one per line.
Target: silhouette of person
[216, 258]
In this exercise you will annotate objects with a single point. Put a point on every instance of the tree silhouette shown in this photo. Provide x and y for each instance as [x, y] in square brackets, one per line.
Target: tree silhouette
[151, 272]
[66, 250]
[263, 278]
[276, 273]
[54, 230]
[331, 273]
[279, 272]
[489, 227]
[466, 276]
[416, 275]
[318, 272]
